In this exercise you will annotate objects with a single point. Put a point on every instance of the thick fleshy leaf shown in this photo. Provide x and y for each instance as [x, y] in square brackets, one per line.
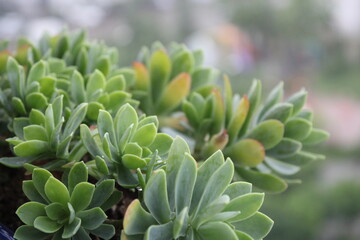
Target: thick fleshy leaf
[281, 167]
[269, 133]
[29, 211]
[116, 83]
[185, 182]
[133, 148]
[254, 97]
[228, 100]
[159, 232]
[298, 100]
[40, 177]
[89, 142]
[37, 100]
[161, 143]
[82, 195]
[35, 132]
[29, 233]
[46, 225]
[145, 135]
[175, 157]
[181, 223]
[286, 148]
[247, 205]
[300, 158]
[273, 98]
[56, 191]
[125, 117]
[47, 85]
[132, 161]
[160, 69]
[102, 192]
[238, 118]
[18, 106]
[297, 128]
[137, 220]
[92, 218]
[30, 148]
[281, 112]
[216, 231]
[72, 228]
[77, 90]
[93, 110]
[262, 222]
[267, 182]
[96, 81]
[237, 189]
[103, 65]
[81, 235]
[182, 63]
[246, 152]
[191, 113]
[31, 193]
[114, 199]
[78, 173]
[36, 117]
[105, 231]
[56, 211]
[156, 197]
[142, 79]
[204, 173]
[316, 136]
[106, 125]
[174, 93]
[76, 117]
[216, 185]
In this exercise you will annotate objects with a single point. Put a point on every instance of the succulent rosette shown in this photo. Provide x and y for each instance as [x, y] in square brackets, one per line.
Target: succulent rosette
[182, 201]
[75, 211]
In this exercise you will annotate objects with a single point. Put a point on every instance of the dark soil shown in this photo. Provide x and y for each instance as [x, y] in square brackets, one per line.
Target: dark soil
[11, 196]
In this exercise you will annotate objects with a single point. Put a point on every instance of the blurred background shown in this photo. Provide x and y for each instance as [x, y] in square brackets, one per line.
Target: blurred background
[310, 43]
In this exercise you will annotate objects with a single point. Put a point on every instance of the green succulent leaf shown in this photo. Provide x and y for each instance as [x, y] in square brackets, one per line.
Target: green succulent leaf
[160, 69]
[263, 223]
[78, 173]
[82, 195]
[267, 182]
[269, 133]
[30, 148]
[29, 233]
[46, 225]
[56, 191]
[71, 229]
[92, 218]
[29, 211]
[217, 230]
[156, 197]
[297, 128]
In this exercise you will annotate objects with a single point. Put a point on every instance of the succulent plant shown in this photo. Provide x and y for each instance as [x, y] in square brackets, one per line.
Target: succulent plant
[46, 136]
[163, 78]
[182, 201]
[73, 48]
[74, 211]
[263, 143]
[124, 144]
[65, 65]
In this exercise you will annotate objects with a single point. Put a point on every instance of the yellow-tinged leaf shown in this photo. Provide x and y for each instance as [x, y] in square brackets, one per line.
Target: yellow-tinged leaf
[247, 152]
[228, 98]
[141, 76]
[238, 118]
[174, 93]
[219, 113]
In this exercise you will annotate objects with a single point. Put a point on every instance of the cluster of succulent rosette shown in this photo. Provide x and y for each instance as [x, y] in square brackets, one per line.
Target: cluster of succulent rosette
[72, 114]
